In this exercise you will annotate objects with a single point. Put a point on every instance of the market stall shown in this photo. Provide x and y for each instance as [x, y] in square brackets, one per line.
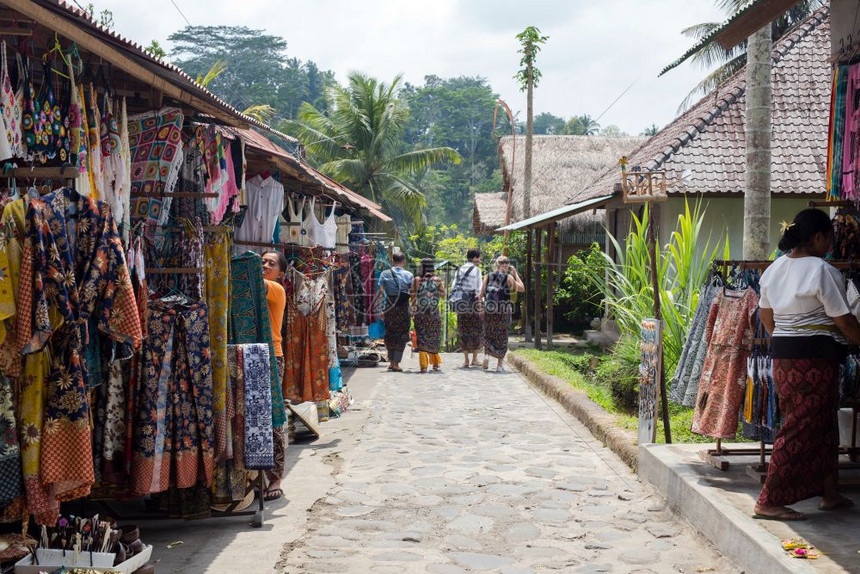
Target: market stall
[137, 350]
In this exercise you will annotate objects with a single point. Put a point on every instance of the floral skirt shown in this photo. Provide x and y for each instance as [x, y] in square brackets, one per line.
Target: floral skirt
[470, 329]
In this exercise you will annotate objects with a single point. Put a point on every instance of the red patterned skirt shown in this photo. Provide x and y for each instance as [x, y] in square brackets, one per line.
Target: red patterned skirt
[805, 452]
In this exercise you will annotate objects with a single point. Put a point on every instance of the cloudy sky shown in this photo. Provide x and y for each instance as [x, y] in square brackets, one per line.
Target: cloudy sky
[596, 49]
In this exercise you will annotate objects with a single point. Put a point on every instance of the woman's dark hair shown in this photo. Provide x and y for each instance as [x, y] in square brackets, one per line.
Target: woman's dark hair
[282, 260]
[472, 254]
[426, 267]
[804, 227]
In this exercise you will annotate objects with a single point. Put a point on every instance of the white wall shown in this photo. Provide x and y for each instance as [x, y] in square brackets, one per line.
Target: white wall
[721, 215]
[843, 23]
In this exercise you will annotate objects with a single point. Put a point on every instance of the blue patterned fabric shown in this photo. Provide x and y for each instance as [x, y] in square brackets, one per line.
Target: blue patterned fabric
[249, 319]
[259, 448]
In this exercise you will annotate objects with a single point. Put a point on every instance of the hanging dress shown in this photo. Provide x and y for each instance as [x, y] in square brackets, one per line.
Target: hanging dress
[721, 388]
[306, 343]
[11, 113]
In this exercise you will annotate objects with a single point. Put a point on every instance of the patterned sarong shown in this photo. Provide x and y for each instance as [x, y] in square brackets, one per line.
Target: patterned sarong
[259, 450]
[155, 143]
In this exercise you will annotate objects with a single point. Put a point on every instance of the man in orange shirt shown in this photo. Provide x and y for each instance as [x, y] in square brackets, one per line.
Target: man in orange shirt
[274, 269]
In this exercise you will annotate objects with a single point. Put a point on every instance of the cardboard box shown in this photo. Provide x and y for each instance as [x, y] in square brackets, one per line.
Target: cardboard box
[26, 566]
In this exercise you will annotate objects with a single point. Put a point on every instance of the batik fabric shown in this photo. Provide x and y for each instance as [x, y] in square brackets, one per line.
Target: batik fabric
[259, 451]
[77, 271]
[155, 144]
[249, 319]
[217, 265]
[306, 343]
[174, 434]
[724, 374]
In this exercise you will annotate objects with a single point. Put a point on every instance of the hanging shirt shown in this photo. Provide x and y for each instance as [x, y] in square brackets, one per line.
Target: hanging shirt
[265, 204]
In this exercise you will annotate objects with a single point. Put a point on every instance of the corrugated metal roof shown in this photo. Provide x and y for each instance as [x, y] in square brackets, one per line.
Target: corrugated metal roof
[556, 214]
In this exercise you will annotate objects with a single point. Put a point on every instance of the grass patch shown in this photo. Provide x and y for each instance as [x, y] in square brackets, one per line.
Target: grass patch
[610, 380]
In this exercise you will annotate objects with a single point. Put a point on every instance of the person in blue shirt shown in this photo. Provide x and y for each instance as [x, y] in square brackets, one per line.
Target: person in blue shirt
[394, 286]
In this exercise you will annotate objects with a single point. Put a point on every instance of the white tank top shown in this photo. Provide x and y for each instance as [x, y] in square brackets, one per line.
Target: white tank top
[322, 234]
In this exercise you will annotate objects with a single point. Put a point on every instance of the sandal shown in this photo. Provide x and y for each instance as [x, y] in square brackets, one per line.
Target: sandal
[784, 515]
[273, 494]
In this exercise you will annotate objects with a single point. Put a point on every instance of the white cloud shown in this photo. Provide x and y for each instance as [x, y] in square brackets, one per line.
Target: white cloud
[595, 50]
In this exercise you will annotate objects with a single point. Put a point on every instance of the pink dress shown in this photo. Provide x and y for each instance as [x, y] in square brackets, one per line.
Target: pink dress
[721, 389]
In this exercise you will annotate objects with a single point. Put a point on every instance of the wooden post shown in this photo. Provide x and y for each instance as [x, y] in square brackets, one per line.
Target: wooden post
[550, 259]
[655, 285]
[537, 309]
[527, 300]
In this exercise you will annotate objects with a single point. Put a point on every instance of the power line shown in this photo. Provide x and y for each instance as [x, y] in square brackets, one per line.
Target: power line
[175, 5]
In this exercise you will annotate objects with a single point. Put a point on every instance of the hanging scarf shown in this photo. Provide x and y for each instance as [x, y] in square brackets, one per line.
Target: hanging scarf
[259, 448]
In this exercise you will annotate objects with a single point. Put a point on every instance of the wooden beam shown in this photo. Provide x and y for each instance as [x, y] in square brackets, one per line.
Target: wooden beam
[537, 309]
[550, 251]
[101, 48]
[527, 300]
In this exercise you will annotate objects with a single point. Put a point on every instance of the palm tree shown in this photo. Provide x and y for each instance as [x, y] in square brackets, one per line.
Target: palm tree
[358, 143]
[733, 60]
[583, 125]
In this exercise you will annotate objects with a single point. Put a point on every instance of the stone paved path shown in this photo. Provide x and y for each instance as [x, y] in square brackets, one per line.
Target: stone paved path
[467, 471]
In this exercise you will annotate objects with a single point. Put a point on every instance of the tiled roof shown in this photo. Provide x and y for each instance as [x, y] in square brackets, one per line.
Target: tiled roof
[707, 142]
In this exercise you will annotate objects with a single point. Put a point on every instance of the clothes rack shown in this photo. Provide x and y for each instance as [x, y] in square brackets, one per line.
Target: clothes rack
[173, 270]
[190, 194]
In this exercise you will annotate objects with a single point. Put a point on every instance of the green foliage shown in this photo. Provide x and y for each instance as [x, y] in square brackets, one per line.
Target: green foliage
[531, 41]
[455, 113]
[358, 143]
[576, 296]
[548, 124]
[156, 50]
[583, 125]
[729, 62]
[681, 271]
[104, 18]
[257, 70]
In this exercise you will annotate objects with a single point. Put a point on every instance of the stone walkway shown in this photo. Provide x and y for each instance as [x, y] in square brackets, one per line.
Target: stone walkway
[467, 471]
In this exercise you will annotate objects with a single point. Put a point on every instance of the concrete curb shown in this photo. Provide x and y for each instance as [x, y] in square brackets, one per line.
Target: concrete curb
[595, 418]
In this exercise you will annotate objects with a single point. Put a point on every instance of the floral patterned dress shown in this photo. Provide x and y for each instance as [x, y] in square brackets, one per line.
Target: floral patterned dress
[75, 268]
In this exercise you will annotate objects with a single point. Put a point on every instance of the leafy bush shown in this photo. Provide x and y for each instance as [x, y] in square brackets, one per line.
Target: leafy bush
[627, 287]
[577, 297]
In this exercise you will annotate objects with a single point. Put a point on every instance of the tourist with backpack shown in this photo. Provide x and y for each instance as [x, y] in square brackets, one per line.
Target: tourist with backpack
[496, 298]
[394, 291]
[427, 291]
[464, 301]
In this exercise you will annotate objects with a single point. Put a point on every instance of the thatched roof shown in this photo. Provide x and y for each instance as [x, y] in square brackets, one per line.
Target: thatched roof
[562, 167]
[708, 141]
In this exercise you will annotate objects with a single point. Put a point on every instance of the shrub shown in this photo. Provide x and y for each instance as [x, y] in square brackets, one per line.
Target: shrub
[577, 297]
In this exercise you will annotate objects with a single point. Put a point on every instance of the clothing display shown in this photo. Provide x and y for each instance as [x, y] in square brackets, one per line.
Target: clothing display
[306, 345]
[155, 143]
[265, 204]
[249, 319]
[721, 388]
[138, 354]
[684, 384]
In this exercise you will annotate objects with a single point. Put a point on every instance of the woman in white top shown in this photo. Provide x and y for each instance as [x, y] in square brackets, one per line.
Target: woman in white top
[803, 306]
[464, 297]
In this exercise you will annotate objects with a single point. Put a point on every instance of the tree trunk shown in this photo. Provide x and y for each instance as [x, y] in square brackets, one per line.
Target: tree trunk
[758, 137]
[527, 175]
